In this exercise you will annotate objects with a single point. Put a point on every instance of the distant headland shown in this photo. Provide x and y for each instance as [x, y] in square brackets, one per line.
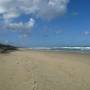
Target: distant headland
[7, 48]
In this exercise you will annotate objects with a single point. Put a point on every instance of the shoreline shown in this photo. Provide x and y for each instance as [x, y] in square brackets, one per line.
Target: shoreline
[56, 51]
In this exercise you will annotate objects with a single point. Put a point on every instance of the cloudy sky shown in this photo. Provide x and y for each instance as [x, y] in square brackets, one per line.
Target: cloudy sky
[32, 23]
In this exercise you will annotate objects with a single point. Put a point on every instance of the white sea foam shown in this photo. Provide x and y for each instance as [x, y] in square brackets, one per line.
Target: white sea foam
[60, 48]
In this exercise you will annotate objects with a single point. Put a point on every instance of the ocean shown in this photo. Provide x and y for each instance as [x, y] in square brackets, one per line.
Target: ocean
[66, 49]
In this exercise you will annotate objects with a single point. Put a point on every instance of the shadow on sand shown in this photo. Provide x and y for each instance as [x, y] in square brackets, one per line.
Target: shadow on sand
[5, 49]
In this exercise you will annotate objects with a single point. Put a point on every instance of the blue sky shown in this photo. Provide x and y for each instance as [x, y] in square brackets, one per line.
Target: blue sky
[45, 23]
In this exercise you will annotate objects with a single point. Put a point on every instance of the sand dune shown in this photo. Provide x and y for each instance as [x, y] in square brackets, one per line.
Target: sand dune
[34, 70]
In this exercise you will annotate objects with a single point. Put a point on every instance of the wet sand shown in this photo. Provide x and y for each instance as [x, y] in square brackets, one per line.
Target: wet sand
[34, 70]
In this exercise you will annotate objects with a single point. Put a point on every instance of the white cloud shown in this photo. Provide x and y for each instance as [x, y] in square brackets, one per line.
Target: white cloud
[44, 9]
[20, 26]
[2, 10]
[31, 22]
[86, 33]
[10, 15]
[41, 8]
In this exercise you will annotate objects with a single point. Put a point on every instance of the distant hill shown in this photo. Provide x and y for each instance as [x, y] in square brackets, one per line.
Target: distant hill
[7, 48]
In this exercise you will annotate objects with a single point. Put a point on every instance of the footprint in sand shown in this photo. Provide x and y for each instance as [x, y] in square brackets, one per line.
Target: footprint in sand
[34, 85]
[17, 63]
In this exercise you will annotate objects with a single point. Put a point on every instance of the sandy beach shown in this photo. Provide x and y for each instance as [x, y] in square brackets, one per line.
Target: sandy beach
[35, 70]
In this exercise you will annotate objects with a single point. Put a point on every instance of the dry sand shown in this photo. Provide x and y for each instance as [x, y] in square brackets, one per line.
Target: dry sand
[34, 70]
